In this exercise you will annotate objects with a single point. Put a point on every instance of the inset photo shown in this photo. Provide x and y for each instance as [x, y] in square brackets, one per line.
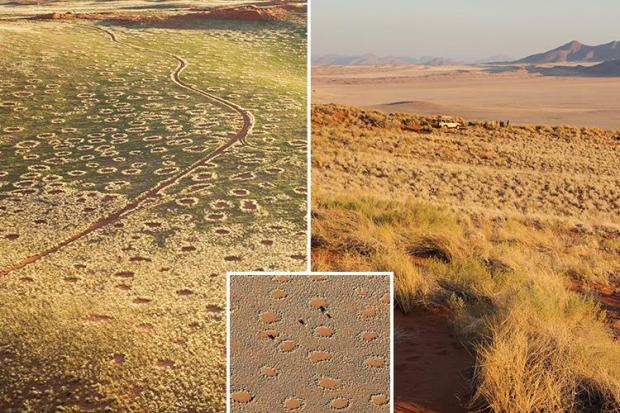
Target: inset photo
[313, 342]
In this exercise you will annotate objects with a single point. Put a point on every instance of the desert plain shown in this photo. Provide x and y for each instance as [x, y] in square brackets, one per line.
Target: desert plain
[475, 92]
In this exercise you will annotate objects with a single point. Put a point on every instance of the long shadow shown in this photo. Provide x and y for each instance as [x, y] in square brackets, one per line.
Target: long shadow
[199, 21]
[610, 69]
[501, 68]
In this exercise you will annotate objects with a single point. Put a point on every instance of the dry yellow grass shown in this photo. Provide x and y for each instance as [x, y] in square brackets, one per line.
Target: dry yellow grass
[504, 271]
[536, 171]
[539, 346]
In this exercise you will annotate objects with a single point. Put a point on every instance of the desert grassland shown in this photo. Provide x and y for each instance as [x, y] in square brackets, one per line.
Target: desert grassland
[337, 360]
[493, 224]
[131, 316]
[534, 171]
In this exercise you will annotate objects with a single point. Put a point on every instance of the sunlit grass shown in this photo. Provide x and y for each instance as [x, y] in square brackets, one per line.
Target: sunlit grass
[538, 346]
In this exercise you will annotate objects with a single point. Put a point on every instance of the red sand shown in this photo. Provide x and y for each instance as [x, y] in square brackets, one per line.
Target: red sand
[431, 366]
[609, 298]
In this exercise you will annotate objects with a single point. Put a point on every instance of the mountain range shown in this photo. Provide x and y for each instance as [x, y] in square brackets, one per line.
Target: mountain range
[576, 52]
[570, 52]
[607, 54]
[373, 59]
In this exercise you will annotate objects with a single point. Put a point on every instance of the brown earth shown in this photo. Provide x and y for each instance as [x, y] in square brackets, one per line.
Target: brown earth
[608, 297]
[425, 341]
[104, 16]
[406, 407]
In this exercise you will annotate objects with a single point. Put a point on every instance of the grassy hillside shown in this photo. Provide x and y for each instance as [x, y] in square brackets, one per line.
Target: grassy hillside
[540, 172]
[509, 271]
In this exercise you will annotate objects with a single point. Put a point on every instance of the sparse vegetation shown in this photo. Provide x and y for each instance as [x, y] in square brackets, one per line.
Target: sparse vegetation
[559, 172]
[505, 272]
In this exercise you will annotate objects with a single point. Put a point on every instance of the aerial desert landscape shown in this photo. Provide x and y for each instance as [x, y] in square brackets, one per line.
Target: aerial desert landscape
[574, 85]
[315, 343]
[141, 158]
[505, 244]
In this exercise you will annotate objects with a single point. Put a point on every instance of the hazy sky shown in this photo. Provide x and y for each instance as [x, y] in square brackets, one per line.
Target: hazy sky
[462, 29]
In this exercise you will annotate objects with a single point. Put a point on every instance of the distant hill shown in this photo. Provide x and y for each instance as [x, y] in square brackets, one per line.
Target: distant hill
[372, 59]
[576, 52]
[494, 59]
[366, 59]
[610, 68]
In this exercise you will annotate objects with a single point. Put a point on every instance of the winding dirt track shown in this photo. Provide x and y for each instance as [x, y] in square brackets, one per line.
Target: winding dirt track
[155, 192]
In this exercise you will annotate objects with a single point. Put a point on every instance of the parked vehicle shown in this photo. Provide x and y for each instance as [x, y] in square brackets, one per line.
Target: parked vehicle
[447, 122]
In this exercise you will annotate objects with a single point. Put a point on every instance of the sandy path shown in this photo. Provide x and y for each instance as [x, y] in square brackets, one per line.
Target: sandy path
[155, 192]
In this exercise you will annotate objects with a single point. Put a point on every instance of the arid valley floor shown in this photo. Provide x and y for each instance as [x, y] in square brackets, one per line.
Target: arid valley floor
[141, 158]
[474, 92]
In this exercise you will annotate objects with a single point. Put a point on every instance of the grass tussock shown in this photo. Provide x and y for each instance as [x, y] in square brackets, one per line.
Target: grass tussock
[539, 346]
